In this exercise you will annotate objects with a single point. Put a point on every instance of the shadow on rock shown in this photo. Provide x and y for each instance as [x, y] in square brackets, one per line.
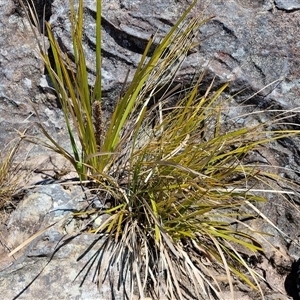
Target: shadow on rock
[292, 281]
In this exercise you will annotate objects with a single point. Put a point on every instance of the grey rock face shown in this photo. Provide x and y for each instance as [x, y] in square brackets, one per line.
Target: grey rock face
[250, 43]
[50, 267]
[21, 69]
[255, 46]
[127, 27]
[288, 4]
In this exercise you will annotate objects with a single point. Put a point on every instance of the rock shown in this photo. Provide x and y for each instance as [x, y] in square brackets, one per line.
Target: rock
[249, 43]
[21, 69]
[254, 47]
[288, 5]
[40, 276]
[275, 297]
[41, 208]
[53, 266]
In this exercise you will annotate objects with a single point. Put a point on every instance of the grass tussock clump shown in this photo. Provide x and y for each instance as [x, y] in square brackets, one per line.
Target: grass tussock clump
[173, 180]
[9, 177]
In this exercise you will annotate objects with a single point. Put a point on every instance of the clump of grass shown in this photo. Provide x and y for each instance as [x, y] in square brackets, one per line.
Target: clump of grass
[9, 177]
[172, 185]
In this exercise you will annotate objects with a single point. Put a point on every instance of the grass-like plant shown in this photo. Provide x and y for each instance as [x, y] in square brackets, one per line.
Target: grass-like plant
[9, 177]
[173, 180]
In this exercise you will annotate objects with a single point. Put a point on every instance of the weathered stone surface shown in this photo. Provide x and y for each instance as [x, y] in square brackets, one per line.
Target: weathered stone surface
[287, 4]
[20, 74]
[250, 43]
[46, 277]
[255, 46]
[53, 265]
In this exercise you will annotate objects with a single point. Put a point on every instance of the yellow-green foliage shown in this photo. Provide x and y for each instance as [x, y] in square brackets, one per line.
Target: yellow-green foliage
[8, 176]
[177, 182]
